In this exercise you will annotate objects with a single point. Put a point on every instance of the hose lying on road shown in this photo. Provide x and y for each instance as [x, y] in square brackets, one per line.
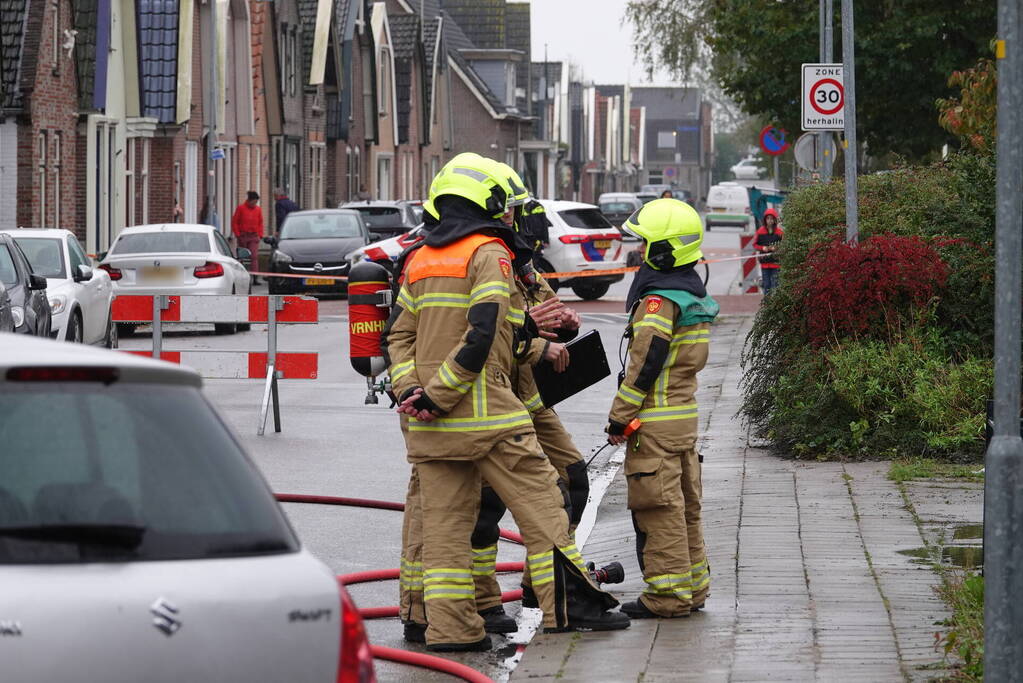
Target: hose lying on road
[429, 662]
[392, 654]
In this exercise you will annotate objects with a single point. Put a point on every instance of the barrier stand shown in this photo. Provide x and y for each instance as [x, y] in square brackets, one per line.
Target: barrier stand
[270, 366]
[274, 304]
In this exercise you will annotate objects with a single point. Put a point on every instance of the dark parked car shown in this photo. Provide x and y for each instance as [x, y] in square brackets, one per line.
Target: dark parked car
[386, 218]
[27, 291]
[6, 317]
[315, 244]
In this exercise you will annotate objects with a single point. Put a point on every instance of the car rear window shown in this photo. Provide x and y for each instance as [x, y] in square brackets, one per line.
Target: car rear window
[324, 225]
[729, 196]
[586, 219]
[617, 207]
[126, 472]
[162, 243]
[381, 216]
[45, 255]
[8, 273]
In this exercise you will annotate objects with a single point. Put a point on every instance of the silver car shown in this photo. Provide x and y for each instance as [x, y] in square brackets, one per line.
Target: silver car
[137, 540]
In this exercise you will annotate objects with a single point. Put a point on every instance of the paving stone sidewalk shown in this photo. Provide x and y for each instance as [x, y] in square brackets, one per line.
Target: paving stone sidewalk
[807, 579]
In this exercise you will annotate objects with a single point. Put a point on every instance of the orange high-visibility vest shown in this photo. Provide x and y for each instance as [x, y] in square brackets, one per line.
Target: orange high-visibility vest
[451, 260]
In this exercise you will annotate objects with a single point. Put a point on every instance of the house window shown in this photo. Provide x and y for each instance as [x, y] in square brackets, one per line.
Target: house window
[357, 173]
[143, 173]
[55, 167]
[291, 170]
[293, 61]
[55, 37]
[384, 177]
[129, 173]
[226, 171]
[316, 152]
[41, 170]
[349, 175]
[385, 81]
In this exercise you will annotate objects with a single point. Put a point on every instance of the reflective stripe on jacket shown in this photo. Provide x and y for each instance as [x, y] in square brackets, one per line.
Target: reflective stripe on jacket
[452, 333]
[660, 378]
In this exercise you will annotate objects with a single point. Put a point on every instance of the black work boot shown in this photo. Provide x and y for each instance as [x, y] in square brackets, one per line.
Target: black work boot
[496, 620]
[637, 610]
[529, 598]
[415, 633]
[479, 646]
[588, 612]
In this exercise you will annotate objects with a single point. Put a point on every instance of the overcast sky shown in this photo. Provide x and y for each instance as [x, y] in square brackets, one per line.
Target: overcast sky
[590, 33]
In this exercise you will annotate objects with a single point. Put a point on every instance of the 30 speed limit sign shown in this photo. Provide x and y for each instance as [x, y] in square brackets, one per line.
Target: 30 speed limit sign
[823, 97]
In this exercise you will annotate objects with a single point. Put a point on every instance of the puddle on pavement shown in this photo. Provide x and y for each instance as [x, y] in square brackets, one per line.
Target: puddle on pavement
[967, 556]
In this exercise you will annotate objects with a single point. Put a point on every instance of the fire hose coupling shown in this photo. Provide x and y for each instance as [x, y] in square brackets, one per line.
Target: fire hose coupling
[609, 573]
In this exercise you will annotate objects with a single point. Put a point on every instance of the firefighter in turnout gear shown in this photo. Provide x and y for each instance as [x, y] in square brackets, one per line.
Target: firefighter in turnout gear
[669, 330]
[554, 321]
[451, 345]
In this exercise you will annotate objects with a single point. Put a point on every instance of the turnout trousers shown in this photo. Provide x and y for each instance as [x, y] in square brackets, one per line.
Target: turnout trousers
[664, 490]
[448, 502]
[556, 443]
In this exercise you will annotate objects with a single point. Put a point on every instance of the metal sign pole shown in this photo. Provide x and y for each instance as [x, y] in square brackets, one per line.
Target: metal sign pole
[852, 217]
[1003, 480]
[159, 302]
[274, 303]
[827, 55]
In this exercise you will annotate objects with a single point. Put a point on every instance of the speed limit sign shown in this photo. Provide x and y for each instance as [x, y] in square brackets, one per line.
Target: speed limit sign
[823, 97]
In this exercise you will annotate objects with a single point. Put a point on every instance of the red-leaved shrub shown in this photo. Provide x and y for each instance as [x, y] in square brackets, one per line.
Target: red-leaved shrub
[860, 290]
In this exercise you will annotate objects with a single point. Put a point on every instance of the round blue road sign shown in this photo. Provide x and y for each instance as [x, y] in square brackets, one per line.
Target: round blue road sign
[772, 140]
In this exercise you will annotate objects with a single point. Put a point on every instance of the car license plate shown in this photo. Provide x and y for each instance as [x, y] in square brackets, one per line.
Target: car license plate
[161, 275]
[318, 281]
[602, 244]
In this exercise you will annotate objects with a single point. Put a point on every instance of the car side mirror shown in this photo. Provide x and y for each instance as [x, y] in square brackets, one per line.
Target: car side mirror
[375, 237]
[271, 240]
[83, 273]
[244, 254]
[36, 282]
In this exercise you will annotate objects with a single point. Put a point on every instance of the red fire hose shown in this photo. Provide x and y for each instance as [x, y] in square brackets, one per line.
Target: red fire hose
[404, 656]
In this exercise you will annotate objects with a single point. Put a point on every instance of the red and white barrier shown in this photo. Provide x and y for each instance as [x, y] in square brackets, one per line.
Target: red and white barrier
[269, 364]
[750, 281]
[241, 364]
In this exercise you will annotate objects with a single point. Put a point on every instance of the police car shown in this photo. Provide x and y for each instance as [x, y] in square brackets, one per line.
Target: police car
[386, 252]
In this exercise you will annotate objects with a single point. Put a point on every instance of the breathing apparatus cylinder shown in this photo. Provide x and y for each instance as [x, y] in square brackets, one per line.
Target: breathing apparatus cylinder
[369, 306]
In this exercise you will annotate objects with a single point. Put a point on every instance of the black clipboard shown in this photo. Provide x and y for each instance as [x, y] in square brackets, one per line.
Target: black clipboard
[587, 366]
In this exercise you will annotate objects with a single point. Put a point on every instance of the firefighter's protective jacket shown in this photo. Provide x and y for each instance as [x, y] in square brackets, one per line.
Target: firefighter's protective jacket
[453, 334]
[660, 376]
[522, 374]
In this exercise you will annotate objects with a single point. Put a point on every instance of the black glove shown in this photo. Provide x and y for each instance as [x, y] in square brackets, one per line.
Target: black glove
[614, 428]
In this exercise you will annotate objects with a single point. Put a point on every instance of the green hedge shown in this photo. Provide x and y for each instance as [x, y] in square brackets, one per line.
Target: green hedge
[910, 386]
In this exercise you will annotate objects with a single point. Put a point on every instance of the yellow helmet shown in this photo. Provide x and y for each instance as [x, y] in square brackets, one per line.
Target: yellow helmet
[472, 177]
[672, 230]
[519, 195]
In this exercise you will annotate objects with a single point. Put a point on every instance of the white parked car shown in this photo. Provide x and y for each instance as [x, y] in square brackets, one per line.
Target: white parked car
[175, 259]
[79, 295]
[138, 542]
[747, 169]
[728, 205]
[385, 252]
[581, 239]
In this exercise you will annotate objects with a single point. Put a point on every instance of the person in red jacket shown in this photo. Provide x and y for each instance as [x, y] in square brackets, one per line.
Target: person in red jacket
[767, 241]
[247, 225]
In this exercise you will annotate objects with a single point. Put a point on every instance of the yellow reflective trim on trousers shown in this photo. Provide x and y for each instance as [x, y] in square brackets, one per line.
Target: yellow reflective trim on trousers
[542, 578]
[400, 370]
[451, 380]
[488, 550]
[519, 418]
[446, 593]
[630, 395]
[668, 413]
[573, 554]
[534, 403]
[702, 583]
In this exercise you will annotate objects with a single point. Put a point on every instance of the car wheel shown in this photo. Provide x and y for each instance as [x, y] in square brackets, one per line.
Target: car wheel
[590, 292]
[126, 329]
[545, 267]
[74, 328]
[111, 341]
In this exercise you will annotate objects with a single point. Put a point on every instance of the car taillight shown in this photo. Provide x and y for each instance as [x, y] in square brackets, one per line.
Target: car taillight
[115, 273]
[355, 662]
[575, 239]
[209, 269]
[45, 373]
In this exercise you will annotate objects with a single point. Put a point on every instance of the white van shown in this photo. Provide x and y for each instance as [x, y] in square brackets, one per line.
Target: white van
[728, 205]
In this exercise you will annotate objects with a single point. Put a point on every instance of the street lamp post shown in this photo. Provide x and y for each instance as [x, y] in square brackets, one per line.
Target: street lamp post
[827, 53]
[1003, 474]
